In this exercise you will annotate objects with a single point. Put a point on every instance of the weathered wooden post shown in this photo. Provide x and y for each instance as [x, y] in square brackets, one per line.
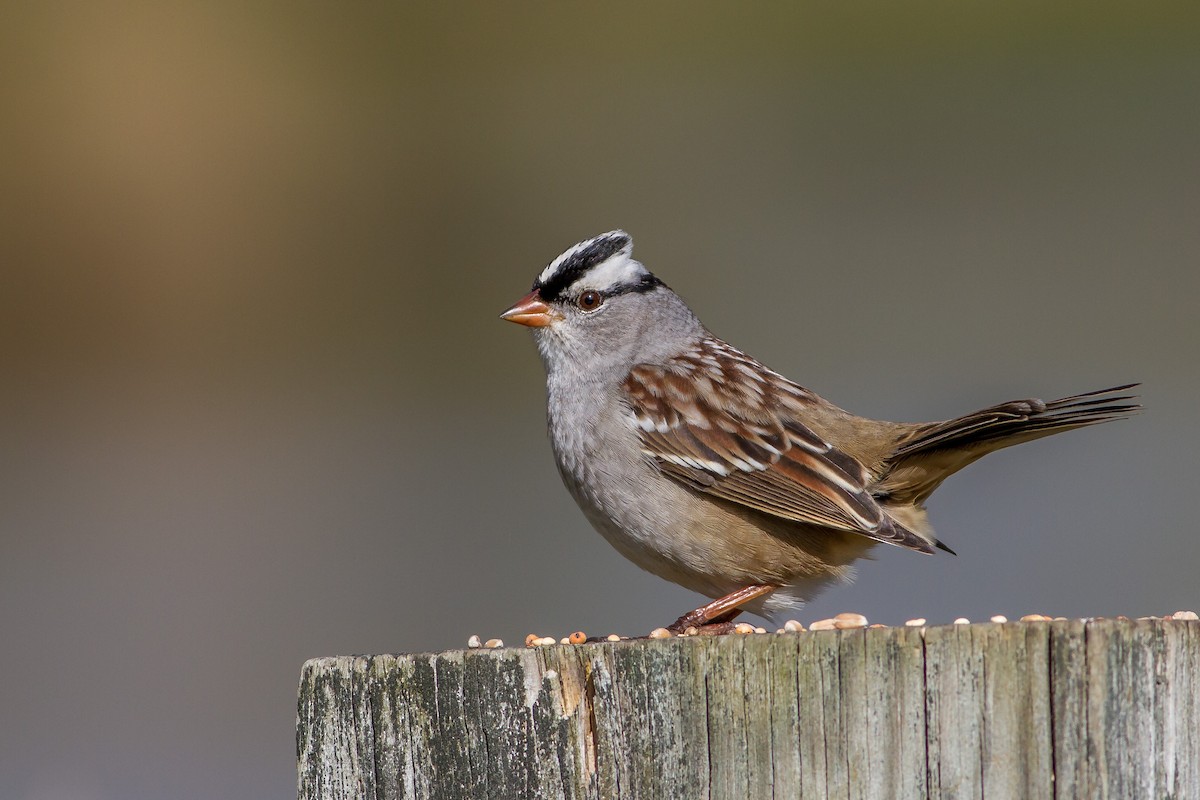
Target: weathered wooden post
[1067, 709]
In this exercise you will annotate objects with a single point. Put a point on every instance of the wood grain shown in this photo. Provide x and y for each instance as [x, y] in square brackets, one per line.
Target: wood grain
[1067, 709]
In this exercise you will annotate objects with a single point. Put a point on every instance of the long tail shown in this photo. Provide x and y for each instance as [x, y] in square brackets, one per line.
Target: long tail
[1022, 420]
[931, 453]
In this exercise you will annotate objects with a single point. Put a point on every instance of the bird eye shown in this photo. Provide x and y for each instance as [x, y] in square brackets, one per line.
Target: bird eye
[590, 300]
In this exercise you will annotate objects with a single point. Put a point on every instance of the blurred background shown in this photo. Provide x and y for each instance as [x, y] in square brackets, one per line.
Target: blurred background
[256, 405]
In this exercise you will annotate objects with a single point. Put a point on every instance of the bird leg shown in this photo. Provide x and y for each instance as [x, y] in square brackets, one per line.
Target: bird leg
[717, 617]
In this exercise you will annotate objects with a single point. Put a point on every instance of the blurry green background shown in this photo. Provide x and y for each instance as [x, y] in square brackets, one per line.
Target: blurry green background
[256, 405]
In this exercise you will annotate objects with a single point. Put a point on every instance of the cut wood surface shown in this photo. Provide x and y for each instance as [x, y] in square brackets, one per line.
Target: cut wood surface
[1066, 709]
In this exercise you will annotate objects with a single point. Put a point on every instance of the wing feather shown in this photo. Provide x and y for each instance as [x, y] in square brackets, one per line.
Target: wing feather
[723, 424]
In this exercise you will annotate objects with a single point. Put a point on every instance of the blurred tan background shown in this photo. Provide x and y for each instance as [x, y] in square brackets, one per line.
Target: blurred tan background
[256, 405]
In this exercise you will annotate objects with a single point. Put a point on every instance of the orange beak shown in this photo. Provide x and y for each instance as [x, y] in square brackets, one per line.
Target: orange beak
[532, 311]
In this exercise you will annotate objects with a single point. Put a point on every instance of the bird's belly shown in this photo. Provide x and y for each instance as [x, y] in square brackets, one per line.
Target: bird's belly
[707, 545]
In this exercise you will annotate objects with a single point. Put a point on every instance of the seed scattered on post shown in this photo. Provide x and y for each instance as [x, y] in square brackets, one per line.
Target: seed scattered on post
[823, 625]
[962, 621]
[849, 620]
[578, 637]
[919, 622]
[530, 639]
[1185, 615]
[612, 637]
[793, 626]
[660, 633]
[474, 643]
[743, 628]
[494, 643]
[999, 618]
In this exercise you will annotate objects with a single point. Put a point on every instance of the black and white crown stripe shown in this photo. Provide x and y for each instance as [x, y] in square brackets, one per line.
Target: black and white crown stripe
[604, 262]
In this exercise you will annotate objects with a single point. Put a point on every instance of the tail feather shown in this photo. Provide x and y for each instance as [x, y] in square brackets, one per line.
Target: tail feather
[928, 454]
[1019, 421]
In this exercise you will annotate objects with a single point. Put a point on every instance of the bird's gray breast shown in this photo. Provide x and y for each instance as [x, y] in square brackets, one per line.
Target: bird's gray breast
[598, 452]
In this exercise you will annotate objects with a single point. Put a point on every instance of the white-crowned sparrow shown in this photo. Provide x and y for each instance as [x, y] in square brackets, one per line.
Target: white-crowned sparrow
[704, 467]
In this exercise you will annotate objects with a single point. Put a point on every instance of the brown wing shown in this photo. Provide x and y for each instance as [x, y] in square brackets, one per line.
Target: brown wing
[721, 423]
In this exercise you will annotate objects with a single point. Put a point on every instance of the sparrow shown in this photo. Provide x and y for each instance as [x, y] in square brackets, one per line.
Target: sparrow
[704, 467]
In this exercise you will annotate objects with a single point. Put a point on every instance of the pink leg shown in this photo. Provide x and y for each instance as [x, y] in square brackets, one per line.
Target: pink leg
[720, 612]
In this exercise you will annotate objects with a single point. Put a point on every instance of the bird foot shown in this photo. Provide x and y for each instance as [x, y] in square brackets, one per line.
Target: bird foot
[709, 629]
[720, 613]
[703, 625]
